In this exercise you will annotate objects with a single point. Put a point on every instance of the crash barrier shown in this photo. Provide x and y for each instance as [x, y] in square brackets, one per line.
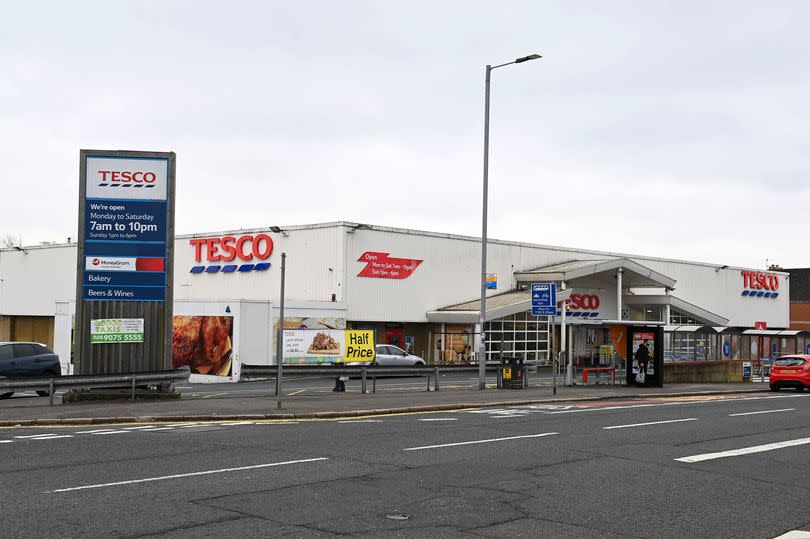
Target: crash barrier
[93, 381]
[363, 372]
[610, 370]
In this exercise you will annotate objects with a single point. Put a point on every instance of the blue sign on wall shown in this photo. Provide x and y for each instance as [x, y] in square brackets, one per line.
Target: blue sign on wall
[125, 229]
[726, 349]
[544, 299]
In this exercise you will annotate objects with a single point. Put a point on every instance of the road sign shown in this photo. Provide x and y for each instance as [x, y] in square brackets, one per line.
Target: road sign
[544, 299]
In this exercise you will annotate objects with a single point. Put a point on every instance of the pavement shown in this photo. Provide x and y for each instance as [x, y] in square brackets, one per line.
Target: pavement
[314, 399]
[723, 465]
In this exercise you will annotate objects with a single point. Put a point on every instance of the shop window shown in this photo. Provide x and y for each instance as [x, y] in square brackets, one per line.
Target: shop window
[521, 334]
[677, 318]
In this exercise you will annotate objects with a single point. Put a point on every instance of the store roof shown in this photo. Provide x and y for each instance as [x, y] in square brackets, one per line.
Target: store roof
[634, 274]
[689, 309]
[498, 306]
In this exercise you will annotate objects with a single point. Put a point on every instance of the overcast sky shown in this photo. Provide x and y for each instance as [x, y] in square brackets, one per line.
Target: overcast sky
[675, 129]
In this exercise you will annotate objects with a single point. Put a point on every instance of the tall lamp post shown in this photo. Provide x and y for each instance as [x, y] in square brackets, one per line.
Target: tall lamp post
[482, 348]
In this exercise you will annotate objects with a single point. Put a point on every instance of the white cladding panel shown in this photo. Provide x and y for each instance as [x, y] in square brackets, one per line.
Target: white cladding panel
[32, 281]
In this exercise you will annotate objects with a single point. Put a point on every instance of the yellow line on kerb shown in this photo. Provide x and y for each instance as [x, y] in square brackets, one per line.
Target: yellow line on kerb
[225, 421]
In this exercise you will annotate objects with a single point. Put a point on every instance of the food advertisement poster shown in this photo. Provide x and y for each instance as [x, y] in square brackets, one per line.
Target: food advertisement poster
[308, 347]
[203, 343]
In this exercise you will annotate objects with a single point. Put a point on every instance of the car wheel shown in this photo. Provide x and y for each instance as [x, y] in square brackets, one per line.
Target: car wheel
[800, 389]
[774, 388]
[43, 393]
[6, 395]
[419, 364]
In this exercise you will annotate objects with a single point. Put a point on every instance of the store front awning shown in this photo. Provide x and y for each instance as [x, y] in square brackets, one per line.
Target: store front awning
[633, 273]
[498, 306]
[692, 311]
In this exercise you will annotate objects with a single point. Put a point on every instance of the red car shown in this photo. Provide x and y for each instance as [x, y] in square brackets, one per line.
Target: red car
[791, 371]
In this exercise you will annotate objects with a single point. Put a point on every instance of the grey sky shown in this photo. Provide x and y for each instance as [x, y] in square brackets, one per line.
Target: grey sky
[676, 129]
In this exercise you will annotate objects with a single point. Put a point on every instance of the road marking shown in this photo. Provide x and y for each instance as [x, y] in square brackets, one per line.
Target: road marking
[481, 441]
[6, 441]
[296, 392]
[52, 437]
[146, 427]
[47, 435]
[440, 419]
[97, 431]
[159, 428]
[183, 475]
[650, 423]
[214, 395]
[184, 387]
[360, 421]
[113, 432]
[795, 534]
[764, 412]
[237, 423]
[745, 450]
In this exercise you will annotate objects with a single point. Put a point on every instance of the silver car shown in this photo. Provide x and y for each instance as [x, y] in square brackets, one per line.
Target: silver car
[390, 355]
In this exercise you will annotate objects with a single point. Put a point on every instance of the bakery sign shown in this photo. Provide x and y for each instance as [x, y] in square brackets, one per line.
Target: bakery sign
[757, 284]
[308, 346]
[230, 254]
[384, 266]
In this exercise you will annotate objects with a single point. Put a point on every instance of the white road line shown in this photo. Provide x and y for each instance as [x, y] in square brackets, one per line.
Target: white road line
[501, 416]
[54, 437]
[481, 441]
[764, 412]
[440, 419]
[182, 475]
[795, 534]
[215, 395]
[160, 428]
[745, 450]
[650, 423]
[37, 435]
[237, 423]
[145, 427]
[6, 441]
[113, 432]
[296, 392]
[95, 431]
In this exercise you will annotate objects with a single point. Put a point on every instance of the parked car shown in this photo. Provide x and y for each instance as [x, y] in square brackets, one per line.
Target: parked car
[23, 359]
[790, 371]
[388, 354]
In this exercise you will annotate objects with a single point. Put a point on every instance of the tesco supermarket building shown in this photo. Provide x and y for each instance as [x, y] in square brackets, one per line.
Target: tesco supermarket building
[420, 290]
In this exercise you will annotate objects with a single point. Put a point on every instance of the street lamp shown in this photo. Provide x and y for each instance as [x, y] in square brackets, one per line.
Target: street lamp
[482, 348]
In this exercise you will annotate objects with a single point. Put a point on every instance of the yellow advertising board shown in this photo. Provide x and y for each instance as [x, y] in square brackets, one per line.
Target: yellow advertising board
[359, 345]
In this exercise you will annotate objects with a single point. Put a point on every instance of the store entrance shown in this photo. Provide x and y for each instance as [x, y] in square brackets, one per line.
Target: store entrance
[395, 336]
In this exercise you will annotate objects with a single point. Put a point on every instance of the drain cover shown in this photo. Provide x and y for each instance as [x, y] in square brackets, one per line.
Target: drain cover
[397, 516]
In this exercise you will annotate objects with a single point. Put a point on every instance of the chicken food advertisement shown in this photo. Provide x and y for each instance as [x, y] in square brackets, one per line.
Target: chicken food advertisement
[307, 346]
[203, 343]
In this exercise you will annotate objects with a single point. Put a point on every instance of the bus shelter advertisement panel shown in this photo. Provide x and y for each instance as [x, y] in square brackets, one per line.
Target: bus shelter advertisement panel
[314, 347]
[125, 222]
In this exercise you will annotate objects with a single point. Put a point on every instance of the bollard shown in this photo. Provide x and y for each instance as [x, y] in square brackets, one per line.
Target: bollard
[133, 388]
[428, 380]
[525, 376]
[436, 374]
[373, 384]
[50, 392]
[363, 377]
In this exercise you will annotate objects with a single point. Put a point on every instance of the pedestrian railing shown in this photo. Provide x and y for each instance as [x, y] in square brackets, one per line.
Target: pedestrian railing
[93, 381]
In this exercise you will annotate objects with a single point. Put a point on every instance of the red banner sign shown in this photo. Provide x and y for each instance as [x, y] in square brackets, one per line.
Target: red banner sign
[382, 266]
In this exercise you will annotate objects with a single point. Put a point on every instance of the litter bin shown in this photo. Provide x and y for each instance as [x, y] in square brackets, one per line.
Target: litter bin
[511, 373]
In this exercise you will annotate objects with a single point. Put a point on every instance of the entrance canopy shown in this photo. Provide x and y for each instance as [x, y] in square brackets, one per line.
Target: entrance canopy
[633, 273]
[689, 309]
[498, 306]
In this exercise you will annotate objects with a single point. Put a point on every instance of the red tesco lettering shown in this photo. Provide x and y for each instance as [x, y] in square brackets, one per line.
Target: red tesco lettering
[126, 176]
[759, 280]
[228, 248]
[585, 302]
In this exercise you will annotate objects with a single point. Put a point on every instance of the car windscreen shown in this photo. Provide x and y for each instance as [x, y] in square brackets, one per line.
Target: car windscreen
[789, 362]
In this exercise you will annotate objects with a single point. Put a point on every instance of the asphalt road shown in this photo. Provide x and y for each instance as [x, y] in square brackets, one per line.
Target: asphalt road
[732, 466]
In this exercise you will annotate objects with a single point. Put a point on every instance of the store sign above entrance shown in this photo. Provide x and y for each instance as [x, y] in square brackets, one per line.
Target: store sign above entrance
[581, 305]
[760, 285]
[382, 266]
[239, 253]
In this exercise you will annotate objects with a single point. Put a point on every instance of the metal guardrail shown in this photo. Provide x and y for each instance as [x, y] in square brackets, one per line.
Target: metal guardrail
[363, 372]
[82, 381]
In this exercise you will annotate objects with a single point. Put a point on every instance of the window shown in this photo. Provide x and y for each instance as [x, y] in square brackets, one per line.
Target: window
[519, 335]
[24, 350]
[5, 352]
[677, 318]
[789, 362]
[42, 349]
